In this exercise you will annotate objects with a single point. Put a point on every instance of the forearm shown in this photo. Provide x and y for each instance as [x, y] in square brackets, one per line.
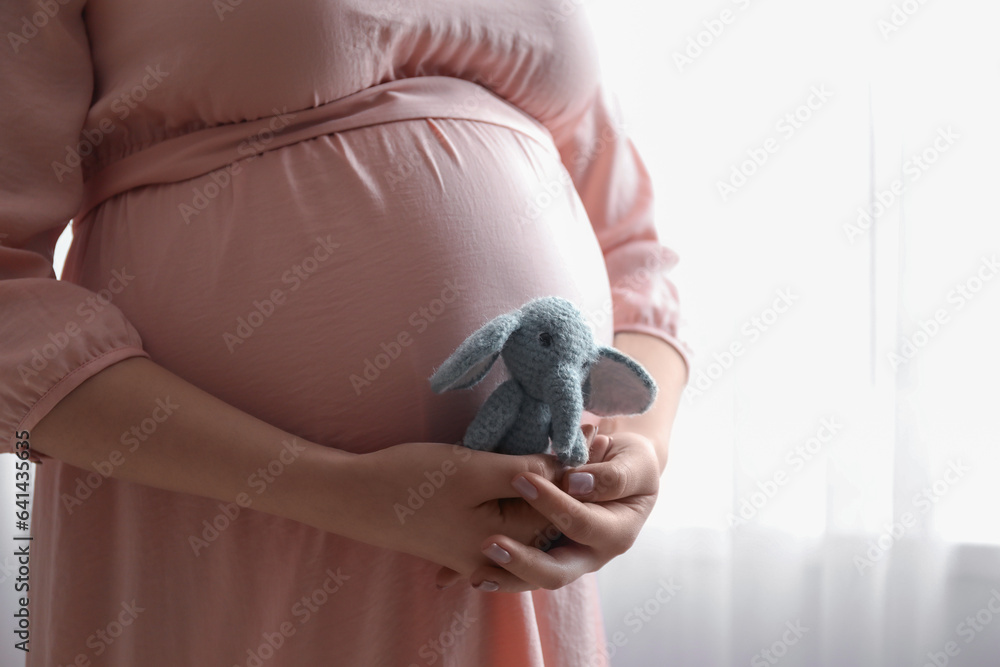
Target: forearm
[200, 444]
[668, 369]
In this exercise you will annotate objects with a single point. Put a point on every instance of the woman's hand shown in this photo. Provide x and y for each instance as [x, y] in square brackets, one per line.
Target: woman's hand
[604, 506]
[626, 462]
[440, 502]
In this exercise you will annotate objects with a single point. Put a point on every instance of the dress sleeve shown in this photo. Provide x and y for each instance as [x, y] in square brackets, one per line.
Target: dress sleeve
[51, 336]
[617, 193]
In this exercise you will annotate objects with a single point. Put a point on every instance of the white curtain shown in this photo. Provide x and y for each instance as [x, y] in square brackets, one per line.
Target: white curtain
[826, 503]
[828, 174]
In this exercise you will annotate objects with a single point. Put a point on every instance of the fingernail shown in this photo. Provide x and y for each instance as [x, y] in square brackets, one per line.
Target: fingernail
[448, 585]
[525, 488]
[488, 586]
[589, 431]
[497, 553]
[580, 483]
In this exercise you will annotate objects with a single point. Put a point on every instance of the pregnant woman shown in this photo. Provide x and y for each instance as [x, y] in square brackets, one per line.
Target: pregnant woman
[285, 217]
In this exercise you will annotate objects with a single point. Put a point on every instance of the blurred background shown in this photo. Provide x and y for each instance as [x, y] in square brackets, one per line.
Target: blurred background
[828, 174]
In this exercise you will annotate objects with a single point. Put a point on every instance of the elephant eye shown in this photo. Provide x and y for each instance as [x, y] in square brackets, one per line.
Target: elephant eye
[545, 339]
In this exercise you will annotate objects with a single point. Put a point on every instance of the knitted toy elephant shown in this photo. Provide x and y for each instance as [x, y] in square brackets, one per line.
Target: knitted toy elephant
[556, 371]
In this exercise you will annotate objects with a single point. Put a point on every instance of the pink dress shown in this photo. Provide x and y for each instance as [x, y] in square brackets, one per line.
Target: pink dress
[266, 197]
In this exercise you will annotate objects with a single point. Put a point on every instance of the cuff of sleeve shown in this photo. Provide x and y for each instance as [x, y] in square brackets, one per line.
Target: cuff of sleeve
[64, 386]
[682, 348]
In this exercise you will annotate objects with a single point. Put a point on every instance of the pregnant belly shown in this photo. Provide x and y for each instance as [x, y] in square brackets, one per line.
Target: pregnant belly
[320, 286]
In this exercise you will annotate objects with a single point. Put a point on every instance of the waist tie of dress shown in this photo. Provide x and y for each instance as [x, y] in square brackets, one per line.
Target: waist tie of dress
[204, 151]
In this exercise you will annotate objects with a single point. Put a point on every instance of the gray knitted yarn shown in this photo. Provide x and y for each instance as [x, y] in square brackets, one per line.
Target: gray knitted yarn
[557, 371]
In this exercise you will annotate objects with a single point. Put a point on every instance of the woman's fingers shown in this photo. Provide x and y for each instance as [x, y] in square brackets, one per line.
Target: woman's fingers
[495, 579]
[598, 448]
[488, 474]
[628, 466]
[522, 522]
[516, 519]
[446, 577]
[547, 538]
[519, 567]
[581, 522]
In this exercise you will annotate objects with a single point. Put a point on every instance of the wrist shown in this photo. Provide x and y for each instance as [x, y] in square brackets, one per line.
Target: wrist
[669, 370]
[317, 489]
[658, 435]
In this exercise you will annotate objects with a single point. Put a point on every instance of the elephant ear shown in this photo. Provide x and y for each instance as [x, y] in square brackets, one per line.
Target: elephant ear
[617, 385]
[472, 360]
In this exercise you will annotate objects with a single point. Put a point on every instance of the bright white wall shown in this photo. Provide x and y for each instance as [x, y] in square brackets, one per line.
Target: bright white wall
[826, 357]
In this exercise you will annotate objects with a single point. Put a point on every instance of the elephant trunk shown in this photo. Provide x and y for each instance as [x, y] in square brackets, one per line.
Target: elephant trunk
[564, 395]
